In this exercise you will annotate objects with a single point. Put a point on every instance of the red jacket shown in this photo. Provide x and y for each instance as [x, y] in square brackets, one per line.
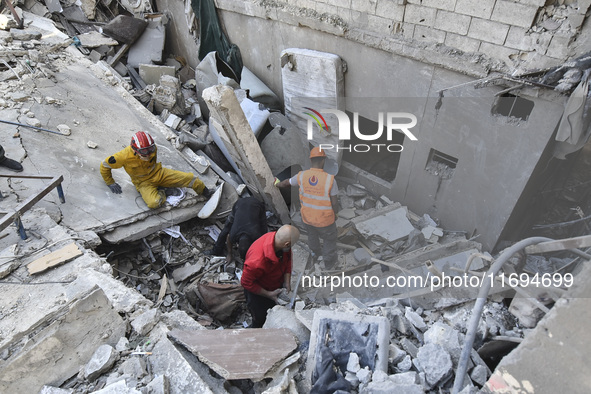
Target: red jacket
[262, 267]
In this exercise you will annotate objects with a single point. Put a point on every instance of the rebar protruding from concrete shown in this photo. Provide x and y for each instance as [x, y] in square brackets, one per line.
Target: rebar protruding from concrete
[31, 127]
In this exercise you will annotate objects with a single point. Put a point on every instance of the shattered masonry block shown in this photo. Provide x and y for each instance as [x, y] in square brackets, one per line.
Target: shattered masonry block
[102, 360]
[281, 317]
[353, 363]
[435, 361]
[144, 323]
[404, 378]
[415, 319]
[445, 336]
[151, 73]
[367, 336]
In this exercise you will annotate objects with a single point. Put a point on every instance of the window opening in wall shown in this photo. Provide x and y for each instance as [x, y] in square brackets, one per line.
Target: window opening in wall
[382, 164]
[441, 164]
[512, 106]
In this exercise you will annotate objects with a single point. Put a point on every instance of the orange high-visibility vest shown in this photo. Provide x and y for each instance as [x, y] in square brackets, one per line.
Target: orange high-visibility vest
[315, 186]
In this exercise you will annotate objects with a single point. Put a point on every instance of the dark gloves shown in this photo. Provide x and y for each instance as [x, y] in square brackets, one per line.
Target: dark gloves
[207, 192]
[115, 188]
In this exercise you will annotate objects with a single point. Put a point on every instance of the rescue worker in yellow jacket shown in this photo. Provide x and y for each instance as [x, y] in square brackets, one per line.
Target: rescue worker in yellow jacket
[318, 196]
[140, 162]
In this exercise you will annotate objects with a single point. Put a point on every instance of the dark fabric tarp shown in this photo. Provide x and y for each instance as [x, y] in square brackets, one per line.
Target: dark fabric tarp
[212, 38]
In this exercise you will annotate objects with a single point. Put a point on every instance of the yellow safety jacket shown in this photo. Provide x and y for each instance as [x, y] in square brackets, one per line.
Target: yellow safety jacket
[315, 186]
[138, 170]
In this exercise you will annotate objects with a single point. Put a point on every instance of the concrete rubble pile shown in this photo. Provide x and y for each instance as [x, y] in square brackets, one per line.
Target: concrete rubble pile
[141, 333]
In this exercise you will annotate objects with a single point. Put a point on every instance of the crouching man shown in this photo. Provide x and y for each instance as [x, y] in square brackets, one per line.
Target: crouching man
[140, 161]
[267, 269]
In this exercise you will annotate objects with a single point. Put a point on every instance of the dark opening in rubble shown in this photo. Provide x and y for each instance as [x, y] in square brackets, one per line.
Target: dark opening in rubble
[382, 163]
[512, 106]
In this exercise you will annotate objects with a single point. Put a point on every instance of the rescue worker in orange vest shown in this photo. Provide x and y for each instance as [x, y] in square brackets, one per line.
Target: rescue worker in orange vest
[318, 196]
[140, 162]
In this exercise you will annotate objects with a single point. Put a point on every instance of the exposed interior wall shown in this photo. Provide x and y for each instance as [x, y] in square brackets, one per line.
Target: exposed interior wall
[495, 156]
[181, 30]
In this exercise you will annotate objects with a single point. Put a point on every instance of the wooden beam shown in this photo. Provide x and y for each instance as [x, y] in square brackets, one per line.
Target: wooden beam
[52, 259]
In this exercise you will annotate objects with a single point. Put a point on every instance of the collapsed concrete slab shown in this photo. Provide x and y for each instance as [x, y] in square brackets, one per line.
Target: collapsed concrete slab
[149, 47]
[390, 222]
[240, 141]
[239, 354]
[56, 351]
[182, 377]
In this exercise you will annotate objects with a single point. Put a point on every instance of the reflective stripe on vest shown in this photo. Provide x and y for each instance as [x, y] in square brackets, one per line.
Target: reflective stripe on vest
[315, 186]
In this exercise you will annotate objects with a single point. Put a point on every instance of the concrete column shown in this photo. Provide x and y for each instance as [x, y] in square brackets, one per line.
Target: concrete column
[240, 141]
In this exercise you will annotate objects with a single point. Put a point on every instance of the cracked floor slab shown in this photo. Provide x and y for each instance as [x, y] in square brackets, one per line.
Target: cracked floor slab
[81, 96]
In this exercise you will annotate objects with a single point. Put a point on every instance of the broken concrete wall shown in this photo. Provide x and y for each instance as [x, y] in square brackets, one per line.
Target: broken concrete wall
[517, 35]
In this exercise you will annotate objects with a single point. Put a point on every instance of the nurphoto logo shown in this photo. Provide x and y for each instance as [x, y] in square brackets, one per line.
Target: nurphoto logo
[401, 121]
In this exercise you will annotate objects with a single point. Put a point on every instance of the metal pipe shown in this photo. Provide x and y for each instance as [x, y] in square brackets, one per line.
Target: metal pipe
[479, 305]
[31, 127]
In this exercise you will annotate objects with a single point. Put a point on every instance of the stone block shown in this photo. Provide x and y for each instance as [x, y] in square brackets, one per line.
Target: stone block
[57, 350]
[479, 375]
[134, 366]
[366, 6]
[452, 22]
[367, 336]
[395, 354]
[427, 34]
[409, 347]
[419, 15]
[498, 52]
[281, 317]
[151, 73]
[514, 13]
[167, 360]
[125, 29]
[478, 8]
[410, 377]
[435, 362]
[186, 271]
[380, 25]
[415, 319]
[463, 43]
[558, 47]
[144, 323]
[408, 30]
[519, 38]
[390, 9]
[445, 336]
[488, 31]
[102, 360]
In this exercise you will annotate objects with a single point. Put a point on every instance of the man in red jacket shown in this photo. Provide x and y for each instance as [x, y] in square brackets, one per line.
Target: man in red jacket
[267, 268]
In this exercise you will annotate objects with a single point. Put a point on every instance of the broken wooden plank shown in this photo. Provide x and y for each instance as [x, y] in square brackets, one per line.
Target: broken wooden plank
[54, 258]
[583, 241]
[239, 354]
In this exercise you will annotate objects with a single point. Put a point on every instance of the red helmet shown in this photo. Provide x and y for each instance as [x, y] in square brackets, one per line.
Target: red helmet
[143, 143]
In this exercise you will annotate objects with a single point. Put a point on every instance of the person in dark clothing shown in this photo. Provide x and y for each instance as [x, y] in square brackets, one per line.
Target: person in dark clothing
[9, 163]
[246, 223]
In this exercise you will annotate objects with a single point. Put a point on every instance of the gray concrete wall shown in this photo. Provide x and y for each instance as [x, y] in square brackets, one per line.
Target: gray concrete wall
[496, 157]
[179, 34]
